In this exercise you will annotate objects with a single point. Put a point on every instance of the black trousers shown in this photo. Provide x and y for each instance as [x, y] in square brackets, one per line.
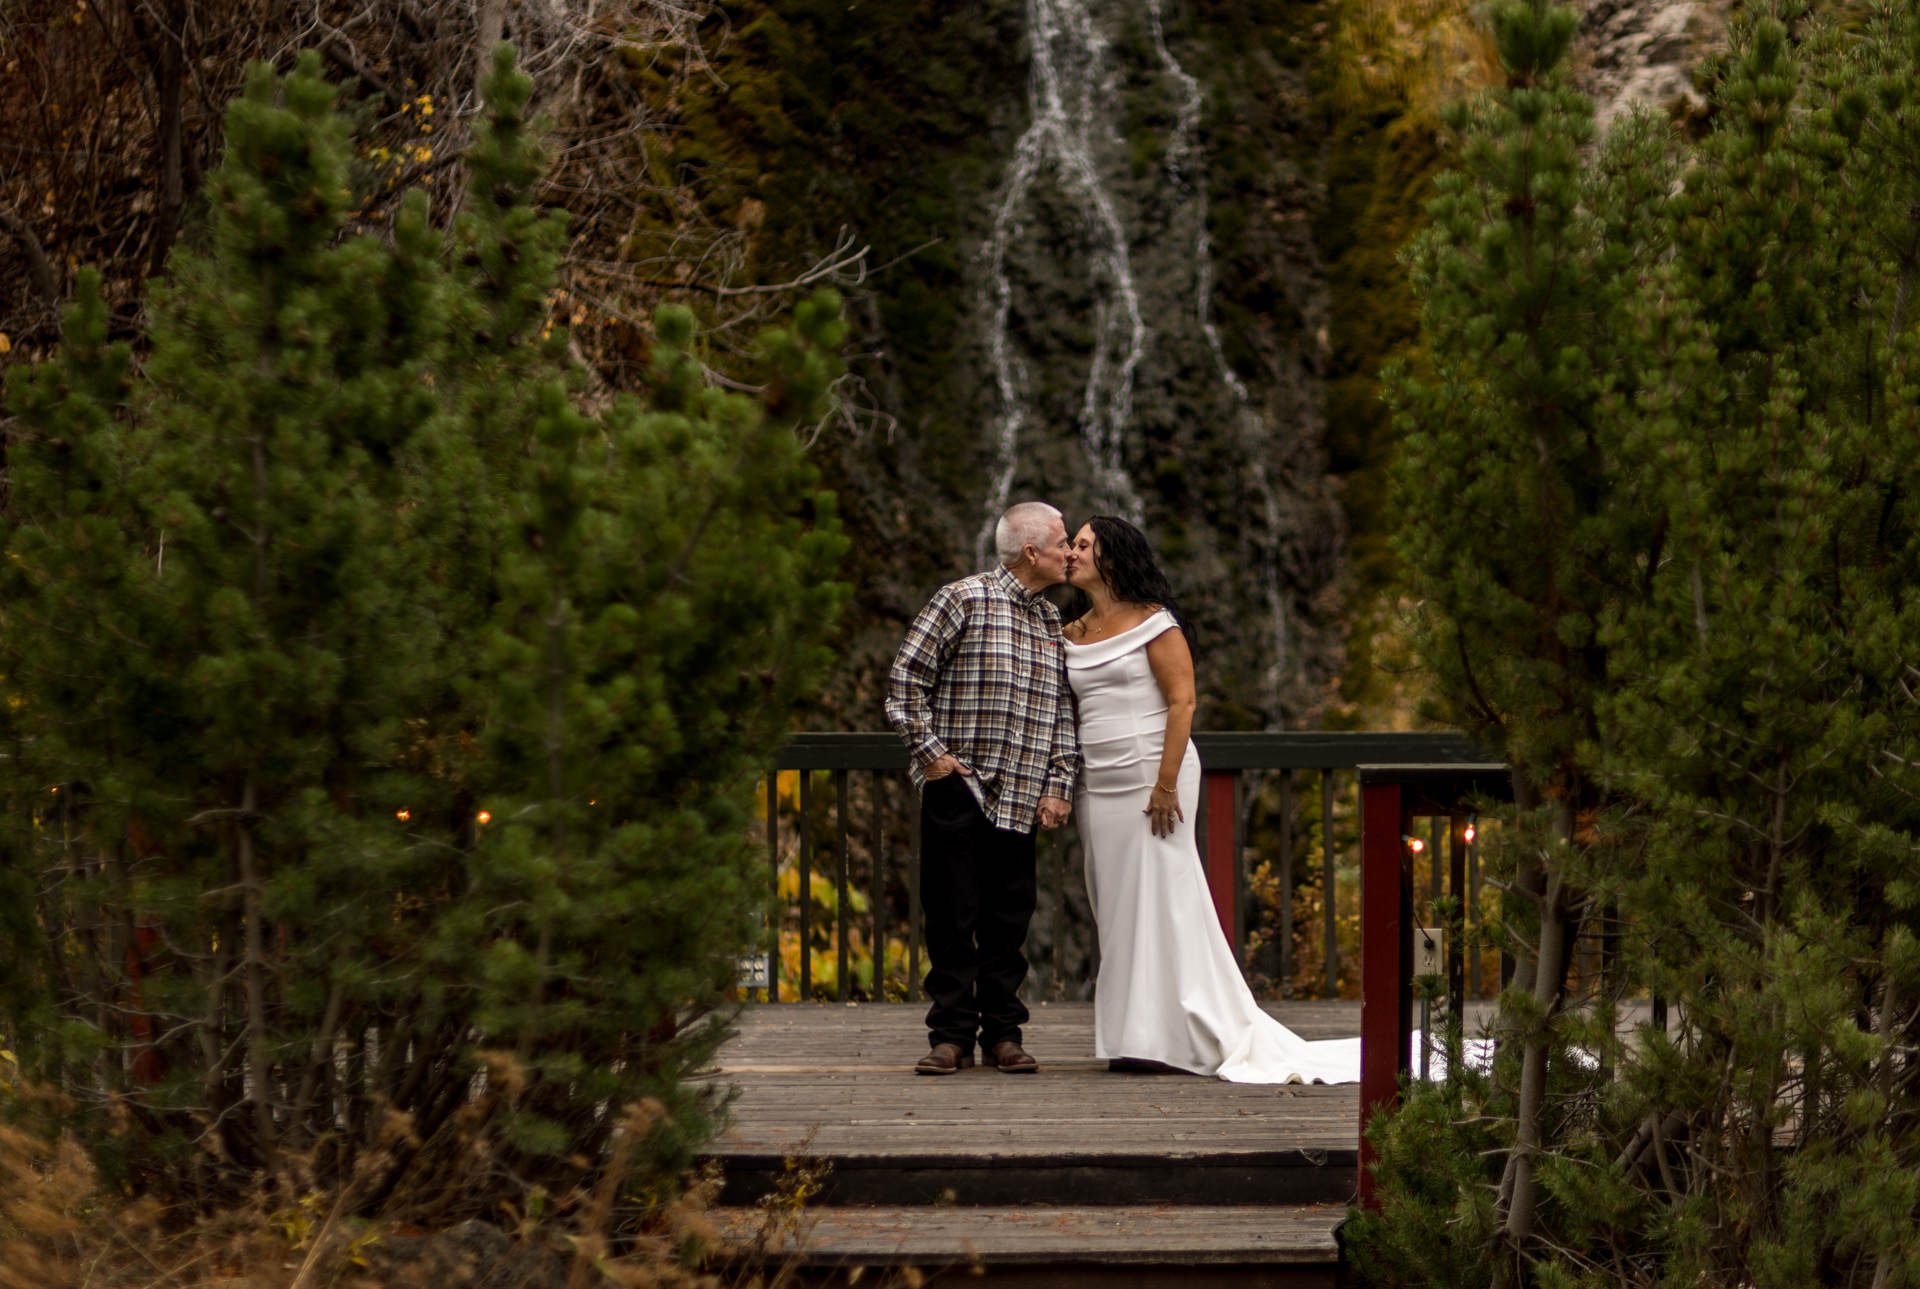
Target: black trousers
[977, 886]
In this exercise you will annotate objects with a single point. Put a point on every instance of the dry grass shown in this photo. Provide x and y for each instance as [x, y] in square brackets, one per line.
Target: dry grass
[63, 1227]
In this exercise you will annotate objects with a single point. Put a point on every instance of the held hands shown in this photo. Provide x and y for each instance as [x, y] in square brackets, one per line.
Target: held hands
[1053, 812]
[1163, 809]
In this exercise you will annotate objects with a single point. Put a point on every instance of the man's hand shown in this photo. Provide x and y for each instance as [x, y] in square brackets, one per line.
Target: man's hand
[1053, 812]
[941, 767]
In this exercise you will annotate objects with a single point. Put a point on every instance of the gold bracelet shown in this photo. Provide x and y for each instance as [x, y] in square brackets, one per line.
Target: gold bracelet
[1162, 787]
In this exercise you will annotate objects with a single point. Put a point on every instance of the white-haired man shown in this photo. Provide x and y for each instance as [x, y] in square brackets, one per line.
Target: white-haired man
[979, 692]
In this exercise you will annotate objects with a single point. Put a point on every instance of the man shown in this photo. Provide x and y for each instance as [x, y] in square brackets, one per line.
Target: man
[979, 693]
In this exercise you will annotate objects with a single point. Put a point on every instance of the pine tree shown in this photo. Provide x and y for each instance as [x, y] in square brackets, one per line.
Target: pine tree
[399, 710]
[1532, 247]
[662, 602]
[64, 559]
[1746, 840]
[206, 655]
[1762, 731]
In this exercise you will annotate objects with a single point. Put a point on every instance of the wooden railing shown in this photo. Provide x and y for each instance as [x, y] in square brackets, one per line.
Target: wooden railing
[1256, 789]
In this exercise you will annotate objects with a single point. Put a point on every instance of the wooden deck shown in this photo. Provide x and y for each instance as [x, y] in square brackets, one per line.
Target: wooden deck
[1073, 1173]
[1244, 1245]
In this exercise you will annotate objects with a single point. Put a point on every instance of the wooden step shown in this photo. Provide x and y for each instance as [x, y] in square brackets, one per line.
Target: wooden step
[1178, 1247]
[836, 1085]
[1213, 1178]
[1065, 1136]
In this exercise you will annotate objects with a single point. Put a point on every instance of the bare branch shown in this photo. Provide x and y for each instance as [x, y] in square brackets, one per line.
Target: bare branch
[38, 268]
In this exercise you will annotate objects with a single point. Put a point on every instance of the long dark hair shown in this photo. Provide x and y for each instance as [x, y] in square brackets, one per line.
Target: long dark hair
[1128, 568]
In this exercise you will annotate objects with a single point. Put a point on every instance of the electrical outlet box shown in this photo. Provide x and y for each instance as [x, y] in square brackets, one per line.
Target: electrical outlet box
[1429, 951]
[755, 971]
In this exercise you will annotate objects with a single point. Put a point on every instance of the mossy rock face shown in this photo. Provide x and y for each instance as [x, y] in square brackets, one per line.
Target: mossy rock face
[897, 124]
[1230, 485]
[1385, 72]
[1380, 174]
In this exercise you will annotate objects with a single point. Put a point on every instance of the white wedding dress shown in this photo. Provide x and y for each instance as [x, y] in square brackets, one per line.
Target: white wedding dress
[1168, 989]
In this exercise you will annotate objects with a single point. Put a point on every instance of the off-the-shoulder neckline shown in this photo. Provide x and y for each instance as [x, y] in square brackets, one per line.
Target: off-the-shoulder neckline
[1118, 635]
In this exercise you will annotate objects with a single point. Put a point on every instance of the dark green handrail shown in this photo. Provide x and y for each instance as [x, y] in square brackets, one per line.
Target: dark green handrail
[1325, 753]
[1219, 750]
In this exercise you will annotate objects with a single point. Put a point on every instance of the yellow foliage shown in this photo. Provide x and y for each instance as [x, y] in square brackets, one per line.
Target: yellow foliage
[786, 792]
[359, 1246]
[1422, 53]
[297, 1222]
[822, 949]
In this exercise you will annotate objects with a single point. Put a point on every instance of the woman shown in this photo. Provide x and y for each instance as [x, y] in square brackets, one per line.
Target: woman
[1169, 990]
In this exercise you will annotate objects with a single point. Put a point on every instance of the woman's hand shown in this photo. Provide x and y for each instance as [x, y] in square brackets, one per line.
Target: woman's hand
[1163, 809]
[1173, 672]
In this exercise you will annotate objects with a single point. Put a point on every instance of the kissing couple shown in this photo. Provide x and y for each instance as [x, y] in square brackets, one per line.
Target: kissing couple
[1014, 722]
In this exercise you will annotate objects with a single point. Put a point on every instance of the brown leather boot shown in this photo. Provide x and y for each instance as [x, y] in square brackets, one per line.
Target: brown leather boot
[1009, 1057]
[945, 1058]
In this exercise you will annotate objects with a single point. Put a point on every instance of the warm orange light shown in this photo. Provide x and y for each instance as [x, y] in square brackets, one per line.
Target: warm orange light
[1414, 844]
[1469, 834]
[403, 815]
[484, 817]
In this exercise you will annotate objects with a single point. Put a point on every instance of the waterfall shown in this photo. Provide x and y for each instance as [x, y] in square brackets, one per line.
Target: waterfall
[1090, 234]
[1184, 167]
[1069, 89]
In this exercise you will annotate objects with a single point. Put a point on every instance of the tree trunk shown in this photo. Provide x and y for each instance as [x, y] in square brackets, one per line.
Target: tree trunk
[1559, 923]
[259, 1058]
[254, 966]
[39, 268]
[490, 26]
[162, 37]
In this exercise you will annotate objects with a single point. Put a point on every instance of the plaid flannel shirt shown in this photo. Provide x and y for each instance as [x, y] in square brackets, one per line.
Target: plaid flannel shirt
[983, 675]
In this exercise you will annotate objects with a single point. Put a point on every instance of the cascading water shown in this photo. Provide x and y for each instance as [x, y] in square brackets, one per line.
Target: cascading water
[1071, 154]
[1069, 89]
[1183, 167]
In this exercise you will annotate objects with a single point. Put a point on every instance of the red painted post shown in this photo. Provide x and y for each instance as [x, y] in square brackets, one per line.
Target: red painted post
[1220, 860]
[1386, 982]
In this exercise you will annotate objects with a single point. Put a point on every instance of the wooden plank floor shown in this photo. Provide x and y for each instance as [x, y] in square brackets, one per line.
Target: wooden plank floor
[1071, 1176]
[1244, 1234]
[862, 1036]
[835, 1083]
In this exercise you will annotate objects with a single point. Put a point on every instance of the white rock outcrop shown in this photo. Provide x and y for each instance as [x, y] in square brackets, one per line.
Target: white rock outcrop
[1641, 53]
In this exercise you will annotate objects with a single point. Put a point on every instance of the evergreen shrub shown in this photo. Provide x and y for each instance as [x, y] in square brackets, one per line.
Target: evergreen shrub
[381, 718]
[1667, 385]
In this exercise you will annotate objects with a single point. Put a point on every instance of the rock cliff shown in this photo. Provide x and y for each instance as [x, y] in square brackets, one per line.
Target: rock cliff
[1135, 256]
[1641, 53]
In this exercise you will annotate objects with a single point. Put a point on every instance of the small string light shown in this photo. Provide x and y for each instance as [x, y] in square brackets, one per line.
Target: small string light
[484, 818]
[1414, 844]
[403, 814]
[1471, 831]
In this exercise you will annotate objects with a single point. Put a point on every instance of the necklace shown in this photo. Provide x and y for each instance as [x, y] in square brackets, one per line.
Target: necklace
[1090, 629]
